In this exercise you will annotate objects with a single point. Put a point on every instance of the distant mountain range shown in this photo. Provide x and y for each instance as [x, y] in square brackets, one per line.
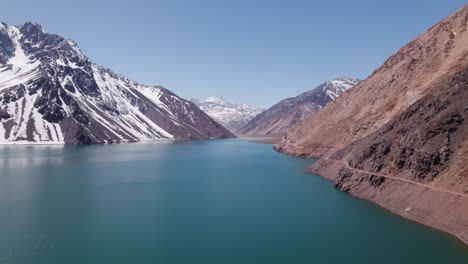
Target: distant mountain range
[231, 116]
[50, 92]
[288, 112]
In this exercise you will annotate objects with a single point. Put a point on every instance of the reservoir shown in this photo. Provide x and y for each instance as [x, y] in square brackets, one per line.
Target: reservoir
[220, 201]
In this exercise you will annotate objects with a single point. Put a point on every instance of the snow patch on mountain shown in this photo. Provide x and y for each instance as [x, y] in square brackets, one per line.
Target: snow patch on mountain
[231, 116]
[19, 67]
[288, 112]
[51, 93]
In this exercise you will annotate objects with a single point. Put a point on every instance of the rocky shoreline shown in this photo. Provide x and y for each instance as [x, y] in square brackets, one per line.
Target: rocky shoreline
[440, 210]
[400, 137]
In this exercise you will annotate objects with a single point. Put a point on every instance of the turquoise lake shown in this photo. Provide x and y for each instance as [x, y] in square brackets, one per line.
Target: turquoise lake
[222, 201]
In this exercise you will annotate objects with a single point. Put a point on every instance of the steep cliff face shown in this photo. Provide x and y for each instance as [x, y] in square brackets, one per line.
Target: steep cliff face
[402, 80]
[288, 112]
[50, 92]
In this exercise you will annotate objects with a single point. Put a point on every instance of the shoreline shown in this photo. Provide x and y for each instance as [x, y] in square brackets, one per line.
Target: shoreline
[46, 143]
[412, 202]
[262, 139]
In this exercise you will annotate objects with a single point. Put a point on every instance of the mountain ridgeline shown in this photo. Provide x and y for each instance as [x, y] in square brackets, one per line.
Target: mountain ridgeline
[50, 92]
[288, 112]
[231, 116]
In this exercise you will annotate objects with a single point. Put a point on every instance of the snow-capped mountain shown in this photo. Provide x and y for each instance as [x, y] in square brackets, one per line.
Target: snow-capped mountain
[231, 116]
[50, 92]
[285, 114]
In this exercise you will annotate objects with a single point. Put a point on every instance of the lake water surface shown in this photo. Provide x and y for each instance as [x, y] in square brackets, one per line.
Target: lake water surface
[223, 201]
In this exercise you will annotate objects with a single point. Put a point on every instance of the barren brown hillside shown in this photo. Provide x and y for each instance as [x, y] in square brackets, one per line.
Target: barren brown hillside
[427, 143]
[400, 138]
[403, 79]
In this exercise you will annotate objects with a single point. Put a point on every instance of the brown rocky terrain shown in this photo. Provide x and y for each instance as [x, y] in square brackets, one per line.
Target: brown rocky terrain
[397, 84]
[288, 112]
[426, 143]
[399, 138]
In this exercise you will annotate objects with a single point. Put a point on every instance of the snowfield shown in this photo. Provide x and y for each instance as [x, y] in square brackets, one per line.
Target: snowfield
[231, 116]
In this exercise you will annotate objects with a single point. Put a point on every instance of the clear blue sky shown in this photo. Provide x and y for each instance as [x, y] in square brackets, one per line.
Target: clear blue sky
[256, 52]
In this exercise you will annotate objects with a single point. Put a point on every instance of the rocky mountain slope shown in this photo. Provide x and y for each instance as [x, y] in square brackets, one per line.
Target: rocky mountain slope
[426, 143]
[50, 92]
[403, 79]
[231, 116]
[399, 138]
[288, 112]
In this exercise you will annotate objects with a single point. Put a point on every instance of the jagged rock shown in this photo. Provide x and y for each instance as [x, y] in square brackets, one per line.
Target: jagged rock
[376, 180]
[344, 175]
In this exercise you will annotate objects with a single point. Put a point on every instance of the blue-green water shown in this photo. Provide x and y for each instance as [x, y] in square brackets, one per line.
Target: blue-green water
[225, 201]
